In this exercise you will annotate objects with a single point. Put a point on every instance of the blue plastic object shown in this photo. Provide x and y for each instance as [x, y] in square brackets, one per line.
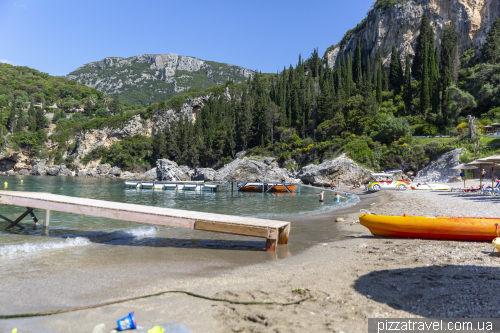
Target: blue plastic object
[127, 322]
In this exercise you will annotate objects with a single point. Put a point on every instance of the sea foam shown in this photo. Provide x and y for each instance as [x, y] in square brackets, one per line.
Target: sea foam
[37, 247]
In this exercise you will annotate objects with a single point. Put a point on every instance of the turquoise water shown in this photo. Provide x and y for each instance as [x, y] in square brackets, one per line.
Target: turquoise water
[71, 230]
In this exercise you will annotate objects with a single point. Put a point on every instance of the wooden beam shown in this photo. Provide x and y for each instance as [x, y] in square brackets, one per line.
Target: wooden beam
[231, 229]
[283, 235]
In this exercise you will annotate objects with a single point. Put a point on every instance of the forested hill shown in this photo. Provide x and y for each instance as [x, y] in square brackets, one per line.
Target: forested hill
[147, 79]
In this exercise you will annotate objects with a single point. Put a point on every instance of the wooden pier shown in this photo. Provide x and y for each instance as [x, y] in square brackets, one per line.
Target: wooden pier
[275, 232]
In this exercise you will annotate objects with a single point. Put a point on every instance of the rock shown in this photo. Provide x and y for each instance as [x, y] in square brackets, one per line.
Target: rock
[342, 168]
[87, 173]
[251, 170]
[115, 171]
[109, 176]
[64, 171]
[11, 173]
[400, 25]
[206, 174]
[39, 168]
[168, 170]
[339, 219]
[410, 173]
[54, 171]
[241, 154]
[269, 160]
[103, 169]
[187, 171]
[23, 172]
[440, 170]
[101, 328]
[151, 174]
[128, 175]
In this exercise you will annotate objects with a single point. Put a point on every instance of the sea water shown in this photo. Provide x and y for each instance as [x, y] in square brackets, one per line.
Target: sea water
[70, 231]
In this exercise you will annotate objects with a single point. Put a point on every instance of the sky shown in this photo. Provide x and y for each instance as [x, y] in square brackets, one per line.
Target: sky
[57, 37]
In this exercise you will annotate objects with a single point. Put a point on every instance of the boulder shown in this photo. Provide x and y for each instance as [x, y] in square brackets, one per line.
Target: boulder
[54, 171]
[115, 171]
[241, 154]
[11, 173]
[87, 173]
[250, 170]
[169, 170]
[64, 171]
[268, 160]
[151, 174]
[440, 170]
[206, 174]
[104, 169]
[187, 171]
[39, 168]
[23, 172]
[128, 175]
[341, 168]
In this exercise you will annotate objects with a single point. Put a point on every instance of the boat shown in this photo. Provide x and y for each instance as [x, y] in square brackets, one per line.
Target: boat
[268, 187]
[430, 187]
[432, 227]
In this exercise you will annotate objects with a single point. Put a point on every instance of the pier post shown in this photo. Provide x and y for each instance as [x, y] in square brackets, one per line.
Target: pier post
[46, 218]
[283, 235]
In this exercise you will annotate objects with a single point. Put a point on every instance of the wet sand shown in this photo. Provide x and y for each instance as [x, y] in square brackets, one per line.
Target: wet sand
[350, 277]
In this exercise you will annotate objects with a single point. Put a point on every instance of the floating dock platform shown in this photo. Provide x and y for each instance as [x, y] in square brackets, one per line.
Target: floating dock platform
[275, 232]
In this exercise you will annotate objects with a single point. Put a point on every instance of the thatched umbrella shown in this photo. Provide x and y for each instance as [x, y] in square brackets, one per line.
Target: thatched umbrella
[495, 161]
[481, 162]
[464, 167]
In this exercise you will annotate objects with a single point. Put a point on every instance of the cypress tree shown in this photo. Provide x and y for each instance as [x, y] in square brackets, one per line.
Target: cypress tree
[449, 56]
[368, 74]
[491, 50]
[395, 71]
[425, 37]
[379, 79]
[358, 74]
[407, 96]
[424, 84]
[349, 76]
[435, 90]
[32, 117]
[11, 122]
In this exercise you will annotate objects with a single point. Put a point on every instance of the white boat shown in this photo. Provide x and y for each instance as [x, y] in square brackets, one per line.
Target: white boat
[430, 187]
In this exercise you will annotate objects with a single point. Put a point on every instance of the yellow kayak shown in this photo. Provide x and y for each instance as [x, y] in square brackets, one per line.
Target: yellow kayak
[433, 227]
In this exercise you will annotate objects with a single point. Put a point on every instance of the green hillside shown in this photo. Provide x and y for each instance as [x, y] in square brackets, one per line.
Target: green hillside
[148, 79]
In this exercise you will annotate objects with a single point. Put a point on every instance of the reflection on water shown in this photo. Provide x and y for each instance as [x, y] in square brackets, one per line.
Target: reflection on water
[85, 230]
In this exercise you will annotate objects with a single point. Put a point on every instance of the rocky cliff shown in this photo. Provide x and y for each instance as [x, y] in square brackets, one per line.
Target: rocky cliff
[400, 25]
[150, 78]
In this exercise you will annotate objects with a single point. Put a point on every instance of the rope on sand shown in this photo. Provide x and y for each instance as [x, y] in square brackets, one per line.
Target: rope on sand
[49, 313]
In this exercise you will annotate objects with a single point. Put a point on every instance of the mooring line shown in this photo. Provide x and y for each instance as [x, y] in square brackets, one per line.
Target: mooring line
[49, 313]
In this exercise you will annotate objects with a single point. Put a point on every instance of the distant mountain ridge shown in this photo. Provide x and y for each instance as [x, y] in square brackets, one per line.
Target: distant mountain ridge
[150, 78]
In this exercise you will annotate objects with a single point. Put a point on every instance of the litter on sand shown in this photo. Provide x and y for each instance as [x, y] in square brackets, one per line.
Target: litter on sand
[166, 328]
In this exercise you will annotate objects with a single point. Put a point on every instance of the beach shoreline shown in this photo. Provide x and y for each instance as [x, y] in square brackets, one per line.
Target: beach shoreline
[346, 281]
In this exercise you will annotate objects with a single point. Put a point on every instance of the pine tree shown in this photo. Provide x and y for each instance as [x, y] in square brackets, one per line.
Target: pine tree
[424, 84]
[407, 95]
[491, 50]
[423, 39]
[395, 71]
[379, 79]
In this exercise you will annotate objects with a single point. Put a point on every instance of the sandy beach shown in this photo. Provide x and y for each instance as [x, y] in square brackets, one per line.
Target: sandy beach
[342, 282]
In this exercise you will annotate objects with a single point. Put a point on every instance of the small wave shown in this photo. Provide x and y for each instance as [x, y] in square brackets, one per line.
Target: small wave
[140, 232]
[37, 247]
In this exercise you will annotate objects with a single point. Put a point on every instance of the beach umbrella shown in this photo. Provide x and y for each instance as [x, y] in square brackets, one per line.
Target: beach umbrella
[464, 167]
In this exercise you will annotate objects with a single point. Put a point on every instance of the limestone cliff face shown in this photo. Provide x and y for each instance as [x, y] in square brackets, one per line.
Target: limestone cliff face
[472, 19]
[89, 140]
[151, 78]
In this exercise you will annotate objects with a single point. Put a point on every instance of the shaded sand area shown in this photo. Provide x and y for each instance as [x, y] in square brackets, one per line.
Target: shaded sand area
[343, 281]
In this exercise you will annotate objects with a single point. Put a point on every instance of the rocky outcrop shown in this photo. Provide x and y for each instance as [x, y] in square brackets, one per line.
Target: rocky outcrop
[400, 25]
[440, 170]
[103, 169]
[341, 168]
[59, 170]
[206, 174]
[163, 75]
[253, 170]
[39, 168]
[168, 170]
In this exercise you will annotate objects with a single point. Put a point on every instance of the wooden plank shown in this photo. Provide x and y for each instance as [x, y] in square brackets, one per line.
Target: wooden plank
[284, 233]
[231, 229]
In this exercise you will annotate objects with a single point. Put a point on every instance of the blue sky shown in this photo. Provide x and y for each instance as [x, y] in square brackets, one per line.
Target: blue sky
[57, 36]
